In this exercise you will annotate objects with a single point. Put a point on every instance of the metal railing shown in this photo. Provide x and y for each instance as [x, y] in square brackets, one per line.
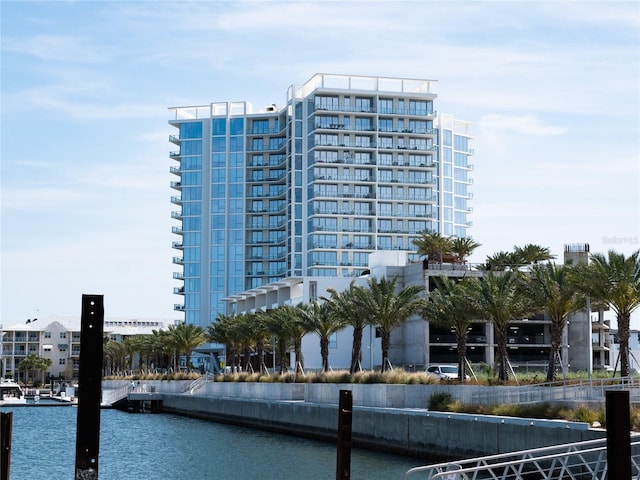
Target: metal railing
[575, 461]
[109, 397]
[199, 382]
[569, 390]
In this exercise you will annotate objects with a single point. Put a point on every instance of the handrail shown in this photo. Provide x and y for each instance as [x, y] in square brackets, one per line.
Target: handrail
[591, 389]
[569, 461]
[199, 382]
[109, 397]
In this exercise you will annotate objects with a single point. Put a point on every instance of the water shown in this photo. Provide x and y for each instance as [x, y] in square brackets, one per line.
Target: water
[163, 446]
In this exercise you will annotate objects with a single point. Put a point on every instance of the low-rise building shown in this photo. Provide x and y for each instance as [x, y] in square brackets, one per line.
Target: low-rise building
[57, 338]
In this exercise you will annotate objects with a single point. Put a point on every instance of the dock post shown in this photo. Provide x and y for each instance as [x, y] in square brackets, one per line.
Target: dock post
[89, 388]
[6, 426]
[618, 434]
[345, 407]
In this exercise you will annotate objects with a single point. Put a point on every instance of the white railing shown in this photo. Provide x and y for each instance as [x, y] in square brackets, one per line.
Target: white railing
[574, 461]
[199, 383]
[109, 397]
[569, 390]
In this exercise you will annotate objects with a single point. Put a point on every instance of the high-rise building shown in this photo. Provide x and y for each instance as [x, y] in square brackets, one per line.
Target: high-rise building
[349, 165]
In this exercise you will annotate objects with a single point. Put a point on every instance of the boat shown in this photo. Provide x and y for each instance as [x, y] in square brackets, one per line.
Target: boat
[11, 393]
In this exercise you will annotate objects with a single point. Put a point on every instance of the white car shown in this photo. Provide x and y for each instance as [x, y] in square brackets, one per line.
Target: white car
[445, 372]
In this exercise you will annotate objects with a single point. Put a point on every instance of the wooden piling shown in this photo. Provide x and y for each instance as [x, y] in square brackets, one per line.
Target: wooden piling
[618, 434]
[6, 426]
[89, 388]
[345, 408]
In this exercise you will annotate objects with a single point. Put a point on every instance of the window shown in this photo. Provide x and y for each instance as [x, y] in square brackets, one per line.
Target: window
[327, 103]
[236, 125]
[363, 124]
[260, 126]
[63, 334]
[384, 226]
[385, 105]
[327, 122]
[363, 104]
[62, 361]
[460, 143]
[362, 141]
[276, 143]
[385, 125]
[47, 334]
[257, 144]
[323, 139]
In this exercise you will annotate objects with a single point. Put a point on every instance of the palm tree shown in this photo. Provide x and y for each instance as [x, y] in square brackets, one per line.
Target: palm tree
[432, 245]
[261, 333]
[450, 305]
[160, 348]
[318, 319]
[386, 309]
[298, 329]
[222, 331]
[531, 254]
[550, 290]
[344, 306]
[185, 337]
[519, 257]
[499, 298]
[115, 354]
[499, 261]
[280, 323]
[462, 247]
[613, 280]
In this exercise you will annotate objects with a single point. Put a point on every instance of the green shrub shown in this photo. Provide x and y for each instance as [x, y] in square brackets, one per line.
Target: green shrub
[440, 401]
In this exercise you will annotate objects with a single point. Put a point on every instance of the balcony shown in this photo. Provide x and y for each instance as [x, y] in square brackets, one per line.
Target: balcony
[175, 140]
[175, 170]
[179, 307]
[178, 290]
[178, 260]
[176, 215]
[175, 155]
[176, 230]
[176, 185]
[176, 200]
[178, 276]
[177, 245]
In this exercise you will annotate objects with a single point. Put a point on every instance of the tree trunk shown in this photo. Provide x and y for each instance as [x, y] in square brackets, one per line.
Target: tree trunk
[299, 357]
[247, 358]
[623, 337]
[356, 350]
[462, 357]
[282, 355]
[501, 360]
[556, 341]
[385, 350]
[324, 352]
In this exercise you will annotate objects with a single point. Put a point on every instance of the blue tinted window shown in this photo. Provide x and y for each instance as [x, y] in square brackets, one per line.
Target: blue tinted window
[236, 125]
[191, 130]
[219, 144]
[219, 126]
[460, 143]
[236, 144]
[446, 137]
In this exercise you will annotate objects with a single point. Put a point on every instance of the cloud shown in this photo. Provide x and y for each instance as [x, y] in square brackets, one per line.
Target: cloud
[522, 124]
[56, 48]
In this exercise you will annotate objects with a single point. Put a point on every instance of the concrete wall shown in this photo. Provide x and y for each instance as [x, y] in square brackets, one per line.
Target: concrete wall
[389, 417]
[409, 432]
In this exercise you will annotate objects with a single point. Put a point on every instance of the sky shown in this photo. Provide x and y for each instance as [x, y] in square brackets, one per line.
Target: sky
[551, 90]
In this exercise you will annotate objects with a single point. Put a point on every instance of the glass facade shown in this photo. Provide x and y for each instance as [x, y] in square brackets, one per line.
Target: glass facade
[312, 188]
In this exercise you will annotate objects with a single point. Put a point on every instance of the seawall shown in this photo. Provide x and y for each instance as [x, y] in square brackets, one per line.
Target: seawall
[381, 417]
